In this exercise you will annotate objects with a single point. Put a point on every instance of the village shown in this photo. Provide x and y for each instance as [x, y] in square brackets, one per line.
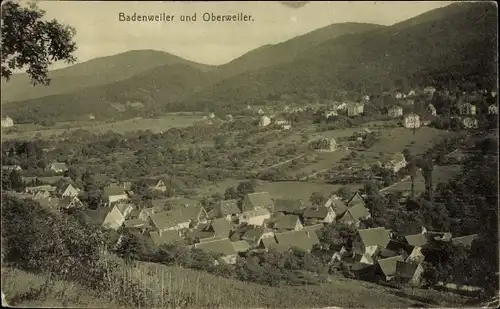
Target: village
[258, 221]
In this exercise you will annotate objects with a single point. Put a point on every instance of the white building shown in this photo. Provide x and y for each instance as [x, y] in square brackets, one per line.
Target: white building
[7, 122]
[412, 121]
[493, 109]
[264, 121]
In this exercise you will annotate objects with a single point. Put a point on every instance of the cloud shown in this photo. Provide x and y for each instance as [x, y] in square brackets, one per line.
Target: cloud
[294, 4]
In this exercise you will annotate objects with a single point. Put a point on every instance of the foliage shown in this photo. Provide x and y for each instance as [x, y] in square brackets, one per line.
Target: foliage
[30, 41]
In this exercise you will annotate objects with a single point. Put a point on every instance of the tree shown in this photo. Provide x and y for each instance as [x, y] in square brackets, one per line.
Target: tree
[230, 194]
[245, 187]
[28, 41]
[16, 181]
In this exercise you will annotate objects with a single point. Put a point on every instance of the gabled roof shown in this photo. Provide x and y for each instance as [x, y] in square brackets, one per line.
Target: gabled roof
[221, 227]
[397, 246]
[297, 239]
[255, 213]
[416, 240]
[158, 203]
[313, 228]
[289, 205]
[377, 236]
[337, 205]
[406, 270]
[317, 212]
[287, 222]
[259, 199]
[464, 240]
[114, 216]
[269, 242]
[163, 220]
[113, 191]
[388, 265]
[229, 207]
[123, 207]
[166, 237]
[253, 235]
[223, 247]
[358, 212]
[355, 199]
[241, 246]
[136, 223]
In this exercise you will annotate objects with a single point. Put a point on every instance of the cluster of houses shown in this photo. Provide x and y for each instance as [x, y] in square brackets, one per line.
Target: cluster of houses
[278, 121]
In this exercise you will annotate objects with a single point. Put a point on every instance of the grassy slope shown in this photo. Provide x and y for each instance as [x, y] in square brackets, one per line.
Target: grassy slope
[454, 39]
[94, 72]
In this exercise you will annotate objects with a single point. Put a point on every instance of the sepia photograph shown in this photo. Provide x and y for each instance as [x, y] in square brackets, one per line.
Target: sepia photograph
[237, 154]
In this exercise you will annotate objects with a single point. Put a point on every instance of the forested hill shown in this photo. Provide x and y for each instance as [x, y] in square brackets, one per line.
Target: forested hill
[455, 42]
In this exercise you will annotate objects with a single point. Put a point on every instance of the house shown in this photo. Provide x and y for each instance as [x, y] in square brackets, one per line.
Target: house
[388, 267]
[465, 241]
[399, 95]
[253, 235]
[70, 203]
[163, 221]
[338, 207]
[221, 227]
[470, 123]
[211, 115]
[114, 219]
[289, 206]
[264, 121]
[156, 185]
[410, 273]
[7, 122]
[411, 93]
[113, 194]
[165, 238]
[321, 214]
[226, 209]
[429, 90]
[396, 162]
[432, 110]
[257, 200]
[68, 190]
[229, 117]
[57, 167]
[412, 254]
[355, 109]
[467, 109]
[416, 240]
[255, 217]
[144, 214]
[395, 111]
[180, 218]
[355, 200]
[124, 208]
[331, 113]
[369, 240]
[302, 240]
[324, 144]
[282, 123]
[287, 223]
[222, 248]
[11, 168]
[412, 121]
[354, 258]
[493, 109]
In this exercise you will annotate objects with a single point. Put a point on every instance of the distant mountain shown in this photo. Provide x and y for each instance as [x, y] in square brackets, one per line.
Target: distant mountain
[138, 95]
[98, 71]
[457, 42]
[274, 54]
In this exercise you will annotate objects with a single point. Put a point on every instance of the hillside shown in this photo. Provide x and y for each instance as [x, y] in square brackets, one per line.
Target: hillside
[283, 52]
[128, 98]
[455, 42]
[94, 72]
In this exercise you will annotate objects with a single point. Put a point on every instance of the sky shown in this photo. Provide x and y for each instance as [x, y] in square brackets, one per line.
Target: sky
[100, 33]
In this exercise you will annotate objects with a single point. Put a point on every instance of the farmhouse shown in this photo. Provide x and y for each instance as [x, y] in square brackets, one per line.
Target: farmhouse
[324, 144]
[338, 207]
[355, 200]
[396, 162]
[319, 214]
[410, 253]
[264, 121]
[114, 219]
[303, 240]
[287, 206]
[222, 247]
[395, 111]
[114, 194]
[355, 109]
[221, 227]
[257, 200]
[410, 273]
[7, 122]
[255, 217]
[57, 167]
[369, 240]
[355, 214]
[388, 267]
[287, 223]
[412, 121]
[68, 190]
[226, 209]
[156, 185]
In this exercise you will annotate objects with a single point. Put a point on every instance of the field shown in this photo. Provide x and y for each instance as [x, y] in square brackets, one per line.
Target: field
[179, 287]
[156, 125]
[299, 189]
[440, 174]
